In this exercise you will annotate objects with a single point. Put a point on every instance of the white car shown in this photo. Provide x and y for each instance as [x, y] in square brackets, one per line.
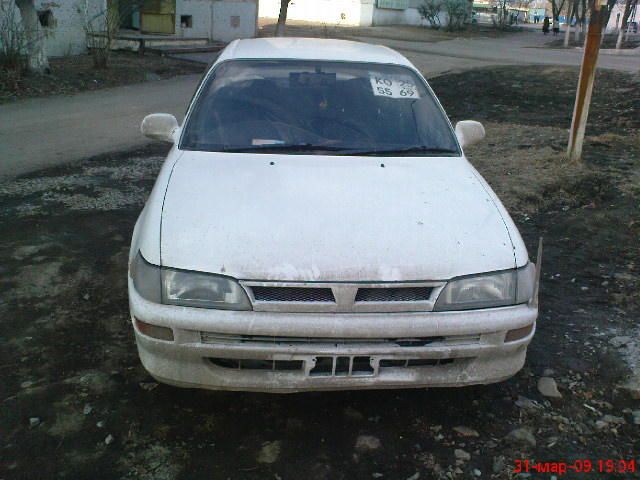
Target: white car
[316, 226]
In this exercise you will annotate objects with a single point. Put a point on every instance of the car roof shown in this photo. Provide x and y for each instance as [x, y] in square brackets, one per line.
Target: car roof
[292, 48]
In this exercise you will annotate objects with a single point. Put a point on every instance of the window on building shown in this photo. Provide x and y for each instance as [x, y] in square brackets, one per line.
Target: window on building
[46, 18]
[186, 21]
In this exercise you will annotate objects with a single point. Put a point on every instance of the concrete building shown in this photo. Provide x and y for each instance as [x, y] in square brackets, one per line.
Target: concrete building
[64, 22]
[348, 12]
[216, 20]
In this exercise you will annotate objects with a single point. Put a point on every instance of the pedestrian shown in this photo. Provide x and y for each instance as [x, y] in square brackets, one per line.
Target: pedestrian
[545, 25]
[556, 26]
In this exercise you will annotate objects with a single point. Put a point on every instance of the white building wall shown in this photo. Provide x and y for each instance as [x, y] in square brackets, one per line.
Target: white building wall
[333, 12]
[345, 12]
[200, 12]
[220, 20]
[234, 19]
[366, 12]
[409, 16]
[66, 34]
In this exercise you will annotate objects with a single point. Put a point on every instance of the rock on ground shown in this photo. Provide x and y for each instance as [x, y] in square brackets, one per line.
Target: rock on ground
[269, 452]
[466, 431]
[462, 455]
[547, 386]
[523, 436]
[365, 443]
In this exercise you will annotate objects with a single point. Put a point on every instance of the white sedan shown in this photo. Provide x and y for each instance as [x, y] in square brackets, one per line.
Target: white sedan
[316, 226]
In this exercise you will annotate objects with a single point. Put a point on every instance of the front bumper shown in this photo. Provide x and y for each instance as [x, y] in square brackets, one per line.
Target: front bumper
[468, 348]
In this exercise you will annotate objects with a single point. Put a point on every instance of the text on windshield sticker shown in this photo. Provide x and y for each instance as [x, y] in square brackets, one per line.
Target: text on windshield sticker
[392, 87]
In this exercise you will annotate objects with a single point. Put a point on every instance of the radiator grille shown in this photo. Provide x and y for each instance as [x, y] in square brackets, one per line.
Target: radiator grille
[415, 362]
[333, 366]
[393, 294]
[252, 364]
[218, 338]
[293, 294]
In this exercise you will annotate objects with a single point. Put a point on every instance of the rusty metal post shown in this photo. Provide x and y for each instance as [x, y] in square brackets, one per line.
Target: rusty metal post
[585, 83]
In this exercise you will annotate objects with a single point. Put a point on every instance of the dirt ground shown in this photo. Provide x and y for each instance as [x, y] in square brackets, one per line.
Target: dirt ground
[77, 404]
[609, 41]
[77, 73]
[300, 28]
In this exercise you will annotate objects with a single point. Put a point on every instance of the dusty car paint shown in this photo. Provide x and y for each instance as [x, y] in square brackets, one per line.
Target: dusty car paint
[329, 222]
[296, 230]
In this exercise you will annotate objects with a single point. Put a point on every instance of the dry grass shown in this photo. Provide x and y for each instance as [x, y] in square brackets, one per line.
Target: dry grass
[525, 166]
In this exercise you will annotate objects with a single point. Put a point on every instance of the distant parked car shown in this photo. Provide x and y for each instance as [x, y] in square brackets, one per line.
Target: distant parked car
[316, 226]
[633, 27]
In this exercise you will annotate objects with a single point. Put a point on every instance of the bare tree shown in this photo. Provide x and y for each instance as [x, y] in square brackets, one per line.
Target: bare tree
[571, 13]
[629, 6]
[282, 18]
[607, 13]
[580, 19]
[13, 43]
[458, 12]
[430, 11]
[101, 29]
[37, 61]
[501, 19]
[556, 8]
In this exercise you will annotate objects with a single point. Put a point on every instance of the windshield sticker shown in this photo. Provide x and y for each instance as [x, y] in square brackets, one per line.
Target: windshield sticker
[393, 87]
[265, 141]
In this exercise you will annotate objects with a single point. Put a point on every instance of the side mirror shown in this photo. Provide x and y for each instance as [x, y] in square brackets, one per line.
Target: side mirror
[160, 126]
[469, 132]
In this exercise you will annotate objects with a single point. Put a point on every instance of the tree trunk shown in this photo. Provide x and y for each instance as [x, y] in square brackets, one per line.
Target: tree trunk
[623, 26]
[556, 8]
[37, 55]
[607, 14]
[282, 18]
[579, 21]
[570, 13]
[567, 34]
[619, 40]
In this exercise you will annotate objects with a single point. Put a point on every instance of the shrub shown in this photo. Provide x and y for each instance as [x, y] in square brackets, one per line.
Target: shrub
[101, 29]
[458, 11]
[430, 11]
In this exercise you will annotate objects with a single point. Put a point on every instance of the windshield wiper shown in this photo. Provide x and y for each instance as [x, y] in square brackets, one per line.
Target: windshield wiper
[284, 147]
[404, 150]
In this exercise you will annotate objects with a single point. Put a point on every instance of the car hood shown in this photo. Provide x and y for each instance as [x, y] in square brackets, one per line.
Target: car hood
[317, 218]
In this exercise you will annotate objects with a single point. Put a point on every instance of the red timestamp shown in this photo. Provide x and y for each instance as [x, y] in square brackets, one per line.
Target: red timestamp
[576, 466]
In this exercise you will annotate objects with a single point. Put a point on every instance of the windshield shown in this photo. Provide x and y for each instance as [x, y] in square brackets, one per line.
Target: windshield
[317, 107]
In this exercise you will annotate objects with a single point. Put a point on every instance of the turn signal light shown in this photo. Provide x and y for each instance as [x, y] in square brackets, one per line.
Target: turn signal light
[518, 333]
[154, 331]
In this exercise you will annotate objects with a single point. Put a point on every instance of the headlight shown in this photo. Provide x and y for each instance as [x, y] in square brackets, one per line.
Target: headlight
[195, 289]
[498, 289]
[186, 288]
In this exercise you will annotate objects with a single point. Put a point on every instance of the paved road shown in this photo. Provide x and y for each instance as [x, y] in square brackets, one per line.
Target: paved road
[518, 49]
[51, 131]
[44, 132]
[444, 56]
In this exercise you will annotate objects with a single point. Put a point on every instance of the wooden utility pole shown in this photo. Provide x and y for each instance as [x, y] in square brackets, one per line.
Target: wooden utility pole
[585, 83]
